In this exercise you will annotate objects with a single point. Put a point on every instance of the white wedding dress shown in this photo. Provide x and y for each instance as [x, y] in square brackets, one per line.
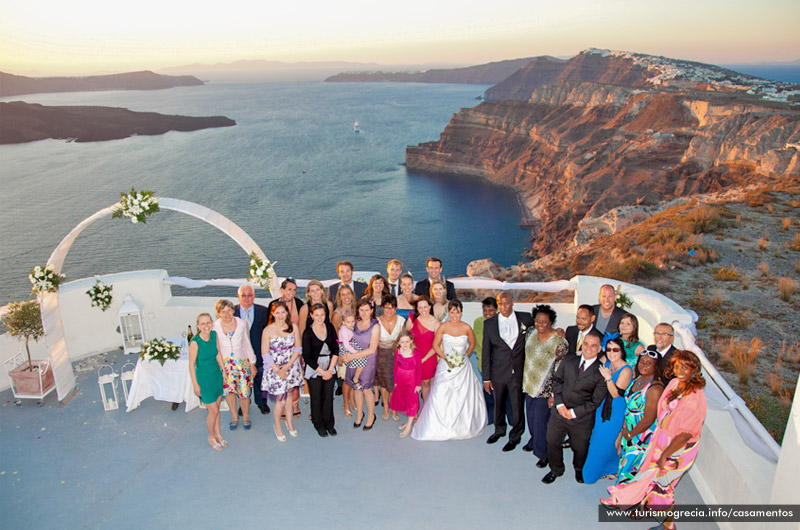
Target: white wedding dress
[455, 408]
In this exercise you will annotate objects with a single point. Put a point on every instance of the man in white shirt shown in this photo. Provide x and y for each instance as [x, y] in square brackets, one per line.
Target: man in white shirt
[345, 271]
[434, 268]
[578, 389]
[663, 336]
[393, 271]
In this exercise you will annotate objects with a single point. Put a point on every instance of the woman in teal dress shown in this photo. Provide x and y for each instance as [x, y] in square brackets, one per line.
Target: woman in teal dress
[640, 415]
[629, 333]
[602, 458]
[205, 367]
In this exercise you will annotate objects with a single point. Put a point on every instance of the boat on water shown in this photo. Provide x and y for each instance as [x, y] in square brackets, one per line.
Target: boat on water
[95, 468]
[356, 128]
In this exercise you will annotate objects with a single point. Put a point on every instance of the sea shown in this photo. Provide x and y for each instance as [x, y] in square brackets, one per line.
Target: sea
[292, 173]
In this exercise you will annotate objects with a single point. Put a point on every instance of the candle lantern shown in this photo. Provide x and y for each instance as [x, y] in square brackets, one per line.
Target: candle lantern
[108, 387]
[131, 325]
[126, 379]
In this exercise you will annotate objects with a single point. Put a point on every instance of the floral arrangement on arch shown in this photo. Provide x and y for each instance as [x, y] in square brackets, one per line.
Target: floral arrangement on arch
[623, 300]
[136, 206]
[44, 279]
[261, 271]
[160, 350]
[100, 295]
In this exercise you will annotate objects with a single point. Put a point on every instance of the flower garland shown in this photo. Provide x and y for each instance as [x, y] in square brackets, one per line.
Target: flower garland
[159, 350]
[261, 272]
[100, 295]
[44, 279]
[136, 206]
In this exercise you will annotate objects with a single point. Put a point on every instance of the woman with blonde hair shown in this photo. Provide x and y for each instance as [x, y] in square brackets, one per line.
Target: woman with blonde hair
[438, 293]
[239, 361]
[205, 368]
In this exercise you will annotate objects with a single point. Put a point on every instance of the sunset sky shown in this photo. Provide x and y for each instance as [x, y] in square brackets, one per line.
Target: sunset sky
[79, 37]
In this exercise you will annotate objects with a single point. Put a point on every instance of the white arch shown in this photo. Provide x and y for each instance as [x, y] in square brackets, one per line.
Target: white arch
[51, 316]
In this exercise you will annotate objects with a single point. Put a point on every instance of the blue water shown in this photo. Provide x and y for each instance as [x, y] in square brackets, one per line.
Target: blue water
[291, 173]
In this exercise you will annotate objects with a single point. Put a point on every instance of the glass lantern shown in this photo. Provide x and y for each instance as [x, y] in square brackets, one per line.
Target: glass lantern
[131, 325]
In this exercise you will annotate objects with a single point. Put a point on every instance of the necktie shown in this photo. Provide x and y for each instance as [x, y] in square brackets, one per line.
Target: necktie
[394, 289]
[580, 369]
[247, 321]
[580, 342]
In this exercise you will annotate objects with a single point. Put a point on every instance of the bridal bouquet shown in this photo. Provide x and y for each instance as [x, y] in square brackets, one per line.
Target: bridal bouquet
[44, 279]
[261, 272]
[100, 295]
[454, 360]
[136, 206]
[160, 350]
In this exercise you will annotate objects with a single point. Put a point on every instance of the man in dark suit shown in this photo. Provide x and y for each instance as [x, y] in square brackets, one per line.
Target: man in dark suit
[584, 322]
[663, 336]
[434, 268]
[578, 389]
[255, 317]
[503, 357]
[345, 271]
[607, 312]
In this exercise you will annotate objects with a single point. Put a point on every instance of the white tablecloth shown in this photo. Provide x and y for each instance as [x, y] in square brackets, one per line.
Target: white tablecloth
[170, 382]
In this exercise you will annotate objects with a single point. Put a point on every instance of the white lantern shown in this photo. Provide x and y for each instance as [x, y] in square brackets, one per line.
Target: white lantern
[108, 381]
[126, 378]
[131, 325]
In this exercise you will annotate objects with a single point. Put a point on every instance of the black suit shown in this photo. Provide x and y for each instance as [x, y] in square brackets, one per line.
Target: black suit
[257, 326]
[424, 287]
[571, 335]
[503, 367]
[612, 326]
[666, 358]
[358, 287]
[583, 394]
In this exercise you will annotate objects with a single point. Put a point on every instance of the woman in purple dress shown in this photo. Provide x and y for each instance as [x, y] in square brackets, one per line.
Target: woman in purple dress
[367, 334]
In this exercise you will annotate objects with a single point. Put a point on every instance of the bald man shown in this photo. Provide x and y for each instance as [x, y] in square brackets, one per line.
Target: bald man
[607, 313]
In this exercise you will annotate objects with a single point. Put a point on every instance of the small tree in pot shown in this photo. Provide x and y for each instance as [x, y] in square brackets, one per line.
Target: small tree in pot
[24, 319]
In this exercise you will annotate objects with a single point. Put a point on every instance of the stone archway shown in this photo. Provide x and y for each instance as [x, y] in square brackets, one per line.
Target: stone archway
[54, 336]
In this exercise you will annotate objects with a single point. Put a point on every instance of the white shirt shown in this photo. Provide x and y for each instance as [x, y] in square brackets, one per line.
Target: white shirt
[509, 328]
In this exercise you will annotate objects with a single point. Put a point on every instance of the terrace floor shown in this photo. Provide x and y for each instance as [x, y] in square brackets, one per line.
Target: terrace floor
[80, 467]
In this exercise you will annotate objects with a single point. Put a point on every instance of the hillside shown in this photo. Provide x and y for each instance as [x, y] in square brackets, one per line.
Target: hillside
[15, 85]
[24, 122]
[483, 74]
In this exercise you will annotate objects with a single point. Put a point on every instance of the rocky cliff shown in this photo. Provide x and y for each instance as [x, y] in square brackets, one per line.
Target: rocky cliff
[24, 122]
[15, 85]
[575, 150]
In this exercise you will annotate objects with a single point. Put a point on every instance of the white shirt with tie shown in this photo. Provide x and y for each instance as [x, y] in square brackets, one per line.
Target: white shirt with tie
[509, 328]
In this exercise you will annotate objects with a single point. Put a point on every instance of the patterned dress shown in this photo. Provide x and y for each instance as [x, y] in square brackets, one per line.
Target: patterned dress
[633, 451]
[652, 486]
[280, 352]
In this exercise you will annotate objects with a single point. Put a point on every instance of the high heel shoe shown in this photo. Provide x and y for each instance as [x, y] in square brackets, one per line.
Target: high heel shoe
[280, 437]
[368, 427]
[293, 433]
[357, 424]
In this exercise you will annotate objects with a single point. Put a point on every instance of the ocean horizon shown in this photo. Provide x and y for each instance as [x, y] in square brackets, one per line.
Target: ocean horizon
[292, 173]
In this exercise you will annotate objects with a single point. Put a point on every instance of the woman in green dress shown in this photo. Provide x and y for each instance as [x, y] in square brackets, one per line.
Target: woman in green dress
[629, 333]
[205, 367]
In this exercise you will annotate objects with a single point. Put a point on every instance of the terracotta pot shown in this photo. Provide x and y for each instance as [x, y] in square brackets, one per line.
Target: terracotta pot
[26, 382]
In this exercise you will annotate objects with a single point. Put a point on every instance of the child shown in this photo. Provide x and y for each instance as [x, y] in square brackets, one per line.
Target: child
[349, 343]
[407, 380]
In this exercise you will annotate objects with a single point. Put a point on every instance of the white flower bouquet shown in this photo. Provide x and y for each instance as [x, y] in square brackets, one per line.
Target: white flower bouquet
[261, 271]
[159, 350]
[44, 279]
[454, 360]
[100, 295]
[136, 206]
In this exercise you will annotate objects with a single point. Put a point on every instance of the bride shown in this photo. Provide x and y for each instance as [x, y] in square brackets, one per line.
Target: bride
[455, 408]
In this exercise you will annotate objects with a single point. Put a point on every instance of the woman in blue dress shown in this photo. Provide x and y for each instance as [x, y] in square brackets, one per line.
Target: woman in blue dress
[603, 459]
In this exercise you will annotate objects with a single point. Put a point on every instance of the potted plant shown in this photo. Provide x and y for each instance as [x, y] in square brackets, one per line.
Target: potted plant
[31, 378]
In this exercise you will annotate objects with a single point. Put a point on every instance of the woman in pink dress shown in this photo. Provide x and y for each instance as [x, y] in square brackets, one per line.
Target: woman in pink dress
[673, 447]
[423, 325]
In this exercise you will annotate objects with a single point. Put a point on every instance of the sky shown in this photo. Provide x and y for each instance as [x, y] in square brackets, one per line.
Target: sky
[83, 37]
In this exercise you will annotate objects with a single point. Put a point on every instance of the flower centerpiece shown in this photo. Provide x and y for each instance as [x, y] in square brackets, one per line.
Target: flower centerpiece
[454, 360]
[100, 295]
[44, 279]
[136, 206]
[261, 271]
[160, 350]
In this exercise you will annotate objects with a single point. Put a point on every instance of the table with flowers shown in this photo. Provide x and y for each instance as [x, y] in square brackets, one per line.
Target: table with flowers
[169, 382]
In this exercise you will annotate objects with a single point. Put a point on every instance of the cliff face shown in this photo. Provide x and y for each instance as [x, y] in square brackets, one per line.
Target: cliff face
[577, 150]
[24, 122]
[15, 85]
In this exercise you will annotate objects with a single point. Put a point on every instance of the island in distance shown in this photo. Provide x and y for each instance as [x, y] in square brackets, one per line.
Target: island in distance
[27, 122]
[15, 85]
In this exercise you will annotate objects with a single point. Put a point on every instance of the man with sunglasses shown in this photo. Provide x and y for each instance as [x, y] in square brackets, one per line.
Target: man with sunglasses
[663, 336]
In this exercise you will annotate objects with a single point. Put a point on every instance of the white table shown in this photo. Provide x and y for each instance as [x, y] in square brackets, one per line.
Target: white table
[171, 382]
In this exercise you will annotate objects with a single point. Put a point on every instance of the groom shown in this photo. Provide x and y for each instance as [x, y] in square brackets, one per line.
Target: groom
[503, 358]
